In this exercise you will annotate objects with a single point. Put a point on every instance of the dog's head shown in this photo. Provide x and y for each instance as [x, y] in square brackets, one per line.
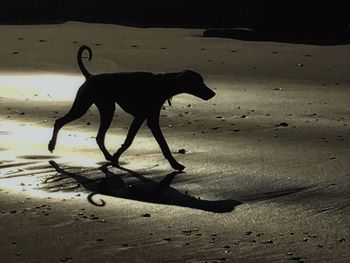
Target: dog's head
[192, 83]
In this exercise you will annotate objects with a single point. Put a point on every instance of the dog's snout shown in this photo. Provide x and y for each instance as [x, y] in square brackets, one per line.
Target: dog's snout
[212, 94]
[208, 94]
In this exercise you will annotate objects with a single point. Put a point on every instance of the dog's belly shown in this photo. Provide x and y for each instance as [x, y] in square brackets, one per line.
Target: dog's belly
[140, 107]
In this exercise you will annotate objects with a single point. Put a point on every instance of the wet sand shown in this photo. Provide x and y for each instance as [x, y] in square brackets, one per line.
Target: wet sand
[267, 159]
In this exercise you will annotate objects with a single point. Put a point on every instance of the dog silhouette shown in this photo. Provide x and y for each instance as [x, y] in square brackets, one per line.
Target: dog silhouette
[141, 94]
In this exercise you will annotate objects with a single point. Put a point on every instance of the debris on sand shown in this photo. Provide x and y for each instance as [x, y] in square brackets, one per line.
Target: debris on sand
[66, 259]
[182, 151]
[248, 233]
[283, 124]
[269, 241]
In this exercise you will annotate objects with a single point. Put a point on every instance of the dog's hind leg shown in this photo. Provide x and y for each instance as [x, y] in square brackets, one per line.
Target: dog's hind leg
[153, 124]
[79, 108]
[134, 127]
[106, 110]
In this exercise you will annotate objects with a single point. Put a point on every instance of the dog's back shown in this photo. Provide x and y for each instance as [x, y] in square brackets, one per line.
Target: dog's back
[134, 92]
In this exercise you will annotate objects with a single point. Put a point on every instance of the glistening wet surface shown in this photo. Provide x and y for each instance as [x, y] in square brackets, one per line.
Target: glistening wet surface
[39, 86]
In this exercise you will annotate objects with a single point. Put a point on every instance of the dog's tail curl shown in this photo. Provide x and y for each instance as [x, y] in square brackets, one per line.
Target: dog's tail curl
[80, 61]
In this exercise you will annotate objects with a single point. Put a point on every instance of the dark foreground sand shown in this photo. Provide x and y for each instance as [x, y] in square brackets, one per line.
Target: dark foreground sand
[267, 160]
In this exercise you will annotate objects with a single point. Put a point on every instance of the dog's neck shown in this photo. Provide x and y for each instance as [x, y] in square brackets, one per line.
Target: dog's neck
[170, 84]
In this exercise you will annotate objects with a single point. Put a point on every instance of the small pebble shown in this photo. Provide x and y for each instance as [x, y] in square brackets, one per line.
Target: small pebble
[182, 151]
[283, 124]
[269, 241]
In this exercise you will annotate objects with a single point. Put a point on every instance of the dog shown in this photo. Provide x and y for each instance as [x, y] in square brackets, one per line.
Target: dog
[141, 94]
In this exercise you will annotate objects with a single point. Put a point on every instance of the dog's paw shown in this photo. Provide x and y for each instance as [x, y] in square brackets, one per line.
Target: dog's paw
[51, 146]
[109, 158]
[115, 158]
[177, 166]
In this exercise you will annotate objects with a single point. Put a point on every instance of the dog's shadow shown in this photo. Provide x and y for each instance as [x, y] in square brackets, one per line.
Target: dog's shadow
[143, 189]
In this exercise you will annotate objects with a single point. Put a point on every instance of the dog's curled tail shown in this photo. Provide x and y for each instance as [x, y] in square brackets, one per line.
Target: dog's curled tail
[80, 61]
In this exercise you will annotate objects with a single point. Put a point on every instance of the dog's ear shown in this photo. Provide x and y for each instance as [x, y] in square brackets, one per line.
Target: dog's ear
[183, 74]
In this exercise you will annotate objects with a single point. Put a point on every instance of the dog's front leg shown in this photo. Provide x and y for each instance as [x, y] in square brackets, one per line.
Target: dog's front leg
[106, 115]
[153, 124]
[134, 127]
[79, 108]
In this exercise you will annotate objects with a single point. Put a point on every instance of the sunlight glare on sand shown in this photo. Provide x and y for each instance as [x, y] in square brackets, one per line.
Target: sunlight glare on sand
[39, 86]
[31, 186]
[24, 160]
[31, 140]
